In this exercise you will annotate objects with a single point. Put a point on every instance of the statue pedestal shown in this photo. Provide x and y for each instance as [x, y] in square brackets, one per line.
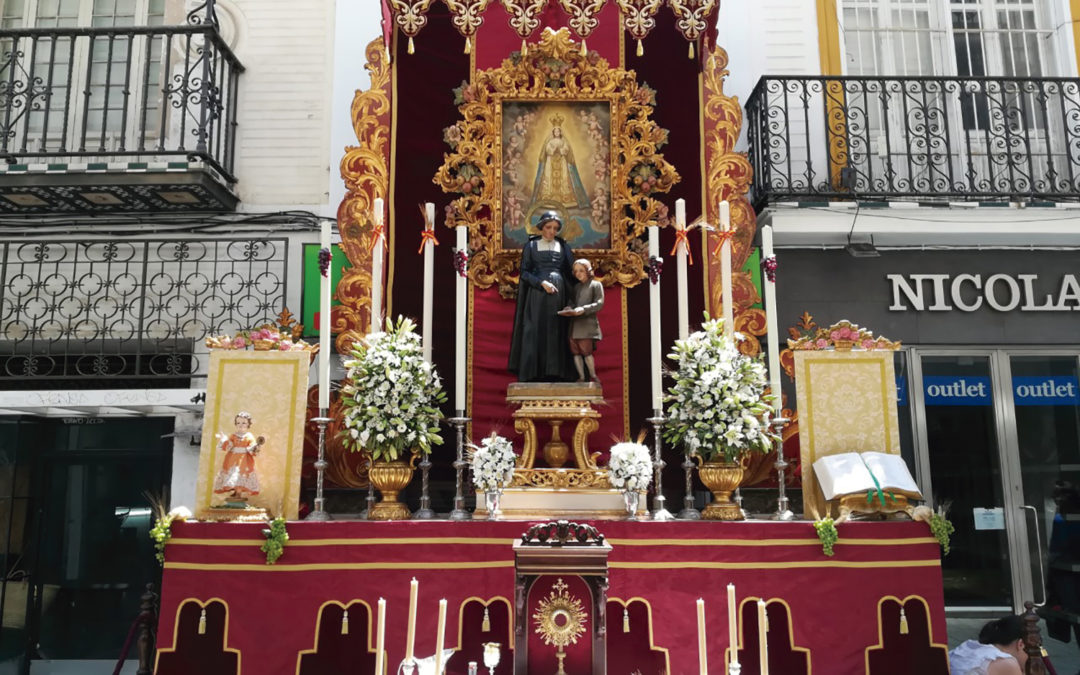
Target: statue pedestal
[554, 404]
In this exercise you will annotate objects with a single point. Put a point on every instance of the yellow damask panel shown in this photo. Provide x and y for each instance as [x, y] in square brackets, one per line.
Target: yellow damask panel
[271, 388]
[847, 403]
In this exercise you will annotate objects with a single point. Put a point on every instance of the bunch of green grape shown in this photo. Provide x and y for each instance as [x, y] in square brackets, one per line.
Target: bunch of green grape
[942, 528]
[160, 533]
[276, 536]
[826, 532]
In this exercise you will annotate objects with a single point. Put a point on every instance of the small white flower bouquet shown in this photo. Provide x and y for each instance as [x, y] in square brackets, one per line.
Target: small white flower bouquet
[630, 468]
[493, 463]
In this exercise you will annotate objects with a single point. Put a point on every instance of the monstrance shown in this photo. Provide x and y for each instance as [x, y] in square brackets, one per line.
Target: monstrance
[560, 620]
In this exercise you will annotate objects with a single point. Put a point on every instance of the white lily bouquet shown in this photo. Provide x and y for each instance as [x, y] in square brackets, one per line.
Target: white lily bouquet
[630, 467]
[718, 407]
[493, 463]
[391, 395]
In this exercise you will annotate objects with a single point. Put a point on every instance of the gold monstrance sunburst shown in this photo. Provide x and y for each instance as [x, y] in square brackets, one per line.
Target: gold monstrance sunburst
[560, 620]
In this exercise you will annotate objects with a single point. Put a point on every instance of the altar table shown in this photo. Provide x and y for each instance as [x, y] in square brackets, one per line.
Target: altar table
[874, 607]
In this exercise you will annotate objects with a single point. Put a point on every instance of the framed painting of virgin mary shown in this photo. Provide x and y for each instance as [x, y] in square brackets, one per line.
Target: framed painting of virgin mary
[557, 157]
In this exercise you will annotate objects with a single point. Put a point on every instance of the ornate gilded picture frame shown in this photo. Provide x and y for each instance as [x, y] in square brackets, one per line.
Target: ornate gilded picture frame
[556, 129]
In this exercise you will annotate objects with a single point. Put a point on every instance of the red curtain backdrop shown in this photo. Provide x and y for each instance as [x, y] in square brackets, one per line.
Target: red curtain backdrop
[272, 609]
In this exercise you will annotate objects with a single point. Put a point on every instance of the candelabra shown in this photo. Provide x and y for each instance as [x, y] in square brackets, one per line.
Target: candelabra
[688, 511]
[659, 511]
[459, 512]
[319, 513]
[424, 512]
[407, 668]
[782, 510]
[370, 492]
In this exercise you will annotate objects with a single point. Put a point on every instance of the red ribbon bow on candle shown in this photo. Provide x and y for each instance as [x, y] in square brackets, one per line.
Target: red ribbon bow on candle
[376, 234]
[721, 238]
[680, 238]
[428, 233]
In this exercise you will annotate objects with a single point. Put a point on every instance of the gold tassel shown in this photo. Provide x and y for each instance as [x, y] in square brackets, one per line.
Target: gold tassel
[640, 48]
[485, 625]
[524, 48]
[903, 622]
[689, 55]
[345, 623]
[412, 46]
[202, 622]
[584, 49]
[625, 620]
[468, 45]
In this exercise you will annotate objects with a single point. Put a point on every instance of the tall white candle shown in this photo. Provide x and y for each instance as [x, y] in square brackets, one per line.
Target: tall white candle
[410, 636]
[725, 270]
[377, 268]
[680, 258]
[771, 321]
[324, 320]
[763, 637]
[440, 636]
[703, 655]
[429, 280]
[733, 624]
[654, 320]
[380, 640]
[459, 328]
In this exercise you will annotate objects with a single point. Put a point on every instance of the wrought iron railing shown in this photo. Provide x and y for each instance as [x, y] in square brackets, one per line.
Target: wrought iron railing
[131, 310]
[137, 93]
[987, 138]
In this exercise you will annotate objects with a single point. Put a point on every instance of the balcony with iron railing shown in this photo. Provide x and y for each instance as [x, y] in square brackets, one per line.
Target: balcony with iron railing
[985, 139]
[130, 313]
[139, 118]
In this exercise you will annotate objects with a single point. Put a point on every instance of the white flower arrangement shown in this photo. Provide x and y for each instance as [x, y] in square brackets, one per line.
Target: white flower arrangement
[493, 463]
[630, 467]
[718, 407]
[391, 395]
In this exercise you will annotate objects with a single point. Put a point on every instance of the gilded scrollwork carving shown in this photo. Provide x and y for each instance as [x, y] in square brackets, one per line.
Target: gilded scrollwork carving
[365, 170]
[561, 479]
[473, 169]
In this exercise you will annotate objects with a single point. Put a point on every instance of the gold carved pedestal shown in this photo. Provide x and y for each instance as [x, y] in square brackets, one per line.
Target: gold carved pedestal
[553, 404]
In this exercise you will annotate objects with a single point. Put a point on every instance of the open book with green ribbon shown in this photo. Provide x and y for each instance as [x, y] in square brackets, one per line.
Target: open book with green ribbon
[877, 474]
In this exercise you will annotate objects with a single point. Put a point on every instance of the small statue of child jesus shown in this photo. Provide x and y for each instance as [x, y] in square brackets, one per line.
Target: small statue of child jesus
[237, 479]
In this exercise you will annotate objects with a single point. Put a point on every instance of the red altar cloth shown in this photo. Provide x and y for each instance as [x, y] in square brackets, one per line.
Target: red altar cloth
[841, 607]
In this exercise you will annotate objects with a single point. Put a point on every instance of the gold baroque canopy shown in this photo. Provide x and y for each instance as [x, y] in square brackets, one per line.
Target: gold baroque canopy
[555, 72]
[692, 16]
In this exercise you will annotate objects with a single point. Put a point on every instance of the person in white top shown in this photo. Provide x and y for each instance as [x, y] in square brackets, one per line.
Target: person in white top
[998, 651]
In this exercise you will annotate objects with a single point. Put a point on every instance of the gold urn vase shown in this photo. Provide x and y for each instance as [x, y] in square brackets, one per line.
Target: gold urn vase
[722, 478]
[390, 478]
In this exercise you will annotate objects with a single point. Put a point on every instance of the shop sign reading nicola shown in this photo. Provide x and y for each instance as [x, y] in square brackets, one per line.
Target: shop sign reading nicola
[971, 292]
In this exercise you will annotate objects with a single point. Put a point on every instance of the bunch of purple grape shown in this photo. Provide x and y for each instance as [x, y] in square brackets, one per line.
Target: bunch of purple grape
[656, 266]
[461, 262]
[324, 261]
[769, 265]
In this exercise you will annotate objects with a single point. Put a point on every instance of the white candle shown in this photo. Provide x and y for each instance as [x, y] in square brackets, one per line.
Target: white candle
[459, 329]
[725, 270]
[771, 320]
[429, 280]
[439, 637]
[380, 640]
[763, 637]
[410, 637]
[654, 319]
[324, 321]
[733, 624]
[703, 656]
[376, 268]
[680, 258]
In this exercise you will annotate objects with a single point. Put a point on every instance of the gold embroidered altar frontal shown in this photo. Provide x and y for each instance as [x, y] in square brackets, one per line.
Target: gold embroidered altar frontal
[846, 403]
[271, 386]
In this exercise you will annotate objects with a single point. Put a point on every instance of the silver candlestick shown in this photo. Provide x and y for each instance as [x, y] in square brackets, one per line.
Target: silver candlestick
[659, 511]
[370, 491]
[688, 511]
[424, 512]
[782, 510]
[319, 513]
[459, 512]
[405, 668]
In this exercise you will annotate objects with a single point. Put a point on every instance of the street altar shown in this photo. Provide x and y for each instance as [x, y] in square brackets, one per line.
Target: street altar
[875, 607]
